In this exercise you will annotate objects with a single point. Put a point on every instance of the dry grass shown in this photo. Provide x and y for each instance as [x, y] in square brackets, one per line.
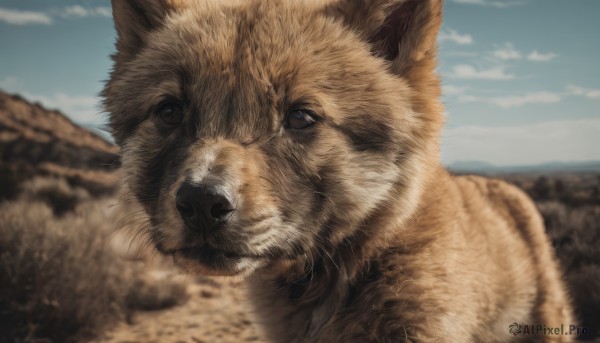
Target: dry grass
[56, 193]
[575, 233]
[15, 177]
[60, 279]
[57, 279]
[570, 205]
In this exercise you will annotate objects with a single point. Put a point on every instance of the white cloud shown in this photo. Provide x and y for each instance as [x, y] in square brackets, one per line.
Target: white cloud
[462, 53]
[455, 37]
[465, 71]
[104, 12]
[507, 52]
[18, 17]
[531, 98]
[536, 56]
[82, 109]
[506, 102]
[77, 11]
[516, 100]
[10, 83]
[453, 90]
[580, 91]
[497, 4]
[570, 140]
[464, 98]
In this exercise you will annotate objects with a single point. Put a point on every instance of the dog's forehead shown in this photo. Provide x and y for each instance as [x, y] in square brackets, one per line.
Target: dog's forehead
[272, 43]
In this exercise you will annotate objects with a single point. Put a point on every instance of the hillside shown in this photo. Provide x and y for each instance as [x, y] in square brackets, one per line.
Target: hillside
[480, 167]
[35, 141]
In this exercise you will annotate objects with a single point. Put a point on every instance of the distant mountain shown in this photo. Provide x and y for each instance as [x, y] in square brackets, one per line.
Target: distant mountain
[37, 141]
[471, 166]
[549, 167]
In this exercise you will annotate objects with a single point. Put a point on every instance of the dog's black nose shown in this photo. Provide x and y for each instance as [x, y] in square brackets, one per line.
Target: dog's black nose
[203, 207]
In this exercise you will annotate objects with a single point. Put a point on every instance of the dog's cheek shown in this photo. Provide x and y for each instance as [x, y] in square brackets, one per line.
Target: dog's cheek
[151, 161]
[367, 180]
[287, 191]
[359, 168]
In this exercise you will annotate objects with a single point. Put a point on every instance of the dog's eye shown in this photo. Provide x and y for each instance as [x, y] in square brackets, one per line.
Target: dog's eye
[170, 113]
[299, 119]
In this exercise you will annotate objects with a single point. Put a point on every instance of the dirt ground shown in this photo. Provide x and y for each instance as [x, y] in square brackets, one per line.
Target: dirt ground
[217, 311]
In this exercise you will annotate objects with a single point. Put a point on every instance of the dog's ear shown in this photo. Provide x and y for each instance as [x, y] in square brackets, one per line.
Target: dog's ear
[402, 31]
[134, 19]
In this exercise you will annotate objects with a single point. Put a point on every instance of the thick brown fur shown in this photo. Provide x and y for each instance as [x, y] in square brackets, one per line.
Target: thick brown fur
[348, 230]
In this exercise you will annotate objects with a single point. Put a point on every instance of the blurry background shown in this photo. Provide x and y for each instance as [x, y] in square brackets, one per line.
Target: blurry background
[521, 85]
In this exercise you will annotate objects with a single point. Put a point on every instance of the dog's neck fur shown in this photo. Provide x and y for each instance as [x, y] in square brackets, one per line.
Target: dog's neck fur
[313, 289]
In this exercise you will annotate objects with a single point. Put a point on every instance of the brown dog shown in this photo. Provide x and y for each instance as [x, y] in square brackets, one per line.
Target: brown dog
[297, 143]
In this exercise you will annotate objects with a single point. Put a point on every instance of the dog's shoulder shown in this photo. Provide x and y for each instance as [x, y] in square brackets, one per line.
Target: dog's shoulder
[507, 201]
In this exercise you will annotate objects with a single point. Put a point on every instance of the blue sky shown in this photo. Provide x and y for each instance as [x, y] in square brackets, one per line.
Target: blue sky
[521, 77]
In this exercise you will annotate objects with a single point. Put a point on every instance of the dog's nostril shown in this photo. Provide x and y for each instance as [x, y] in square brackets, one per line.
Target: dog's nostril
[220, 211]
[185, 208]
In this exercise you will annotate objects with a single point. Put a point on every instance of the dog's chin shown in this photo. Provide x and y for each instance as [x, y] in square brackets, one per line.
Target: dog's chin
[201, 268]
[214, 262]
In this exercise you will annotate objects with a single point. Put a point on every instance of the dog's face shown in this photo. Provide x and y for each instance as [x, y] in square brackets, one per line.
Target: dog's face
[260, 131]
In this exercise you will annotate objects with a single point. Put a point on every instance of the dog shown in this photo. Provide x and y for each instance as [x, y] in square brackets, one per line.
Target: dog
[296, 144]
